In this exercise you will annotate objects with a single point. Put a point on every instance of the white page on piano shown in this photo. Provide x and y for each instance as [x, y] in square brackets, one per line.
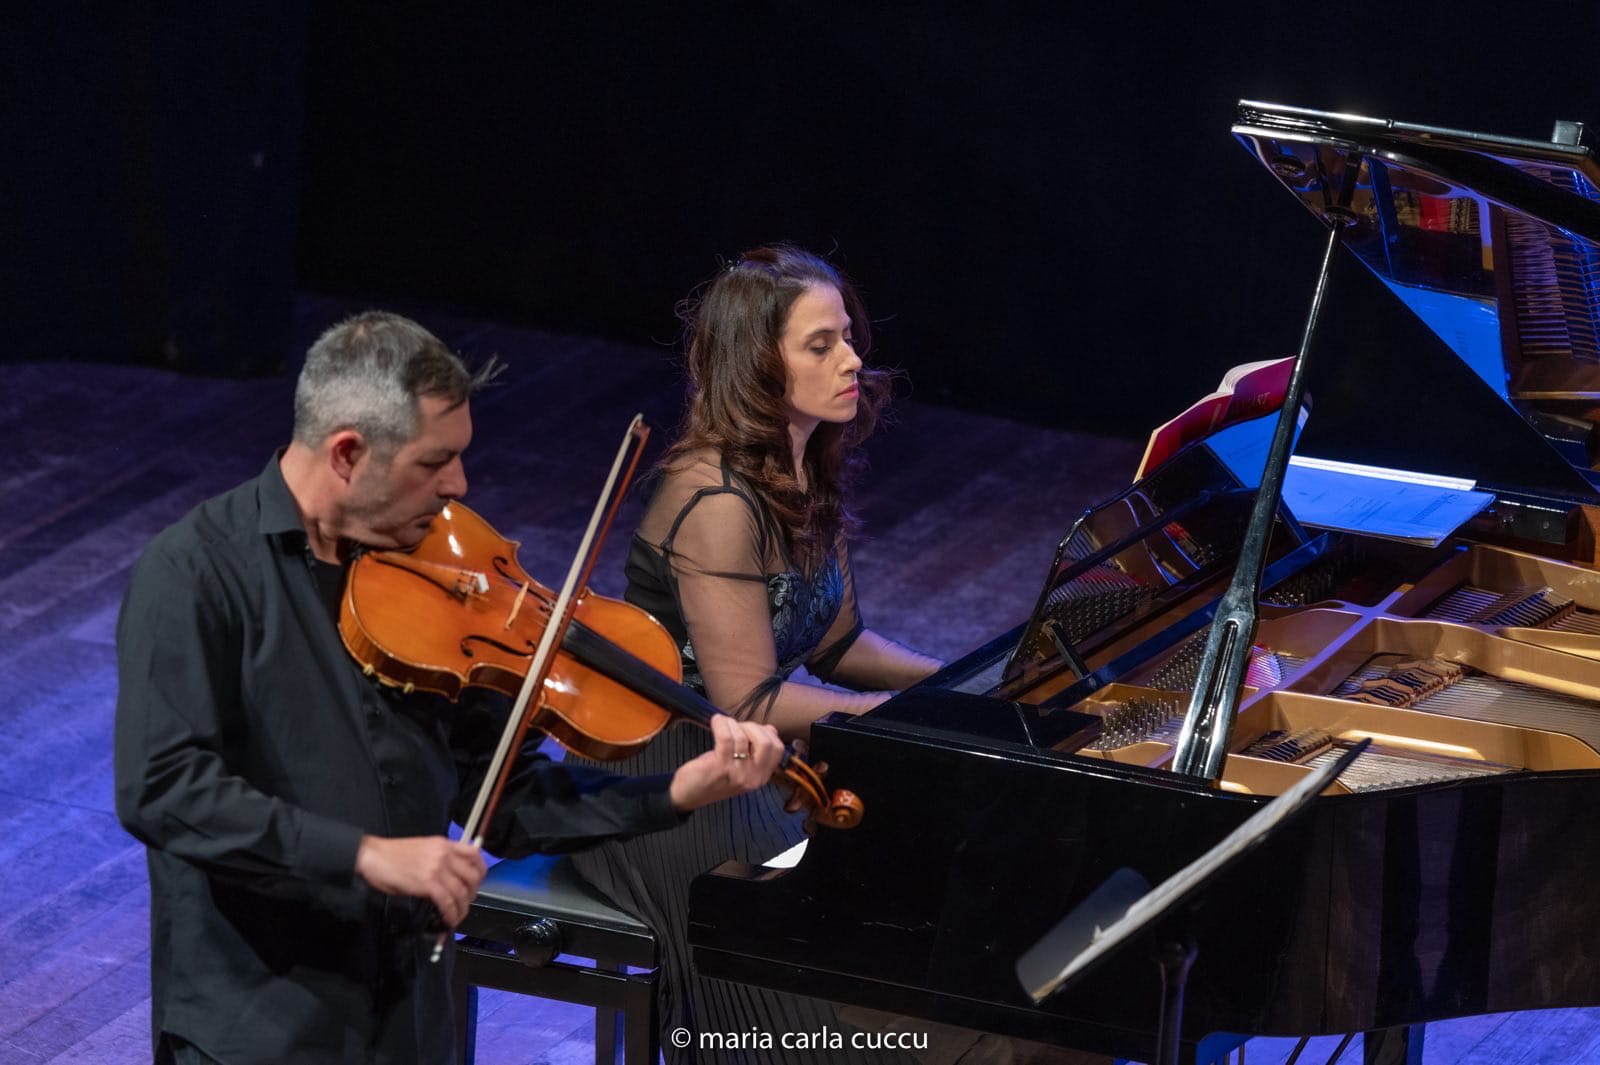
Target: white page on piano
[1417, 512]
[1397, 504]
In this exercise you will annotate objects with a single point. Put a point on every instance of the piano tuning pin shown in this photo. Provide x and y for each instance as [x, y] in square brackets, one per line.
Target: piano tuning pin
[1138, 720]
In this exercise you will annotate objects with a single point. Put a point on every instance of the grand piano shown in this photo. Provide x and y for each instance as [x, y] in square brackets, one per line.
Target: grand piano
[1450, 870]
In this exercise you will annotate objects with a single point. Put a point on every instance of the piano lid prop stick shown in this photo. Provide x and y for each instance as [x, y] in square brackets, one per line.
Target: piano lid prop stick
[1208, 724]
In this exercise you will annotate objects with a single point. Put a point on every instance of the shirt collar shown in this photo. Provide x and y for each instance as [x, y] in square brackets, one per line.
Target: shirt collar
[279, 516]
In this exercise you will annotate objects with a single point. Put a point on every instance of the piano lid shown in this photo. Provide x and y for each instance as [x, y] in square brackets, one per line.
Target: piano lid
[1493, 242]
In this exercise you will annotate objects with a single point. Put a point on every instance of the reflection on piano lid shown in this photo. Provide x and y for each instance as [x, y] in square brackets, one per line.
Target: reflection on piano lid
[1492, 242]
[1440, 876]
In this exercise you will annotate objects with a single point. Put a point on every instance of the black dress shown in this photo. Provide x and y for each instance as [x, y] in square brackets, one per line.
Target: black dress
[706, 541]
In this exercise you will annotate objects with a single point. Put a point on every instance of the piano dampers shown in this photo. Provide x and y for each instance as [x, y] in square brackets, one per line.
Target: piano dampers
[1522, 607]
[1402, 684]
[1555, 279]
[1376, 770]
[1481, 697]
[1578, 620]
[1280, 745]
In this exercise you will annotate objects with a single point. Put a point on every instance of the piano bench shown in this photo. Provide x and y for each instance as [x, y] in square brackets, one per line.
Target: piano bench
[528, 912]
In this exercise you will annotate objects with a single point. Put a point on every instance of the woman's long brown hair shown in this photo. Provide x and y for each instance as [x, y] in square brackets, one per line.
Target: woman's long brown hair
[737, 381]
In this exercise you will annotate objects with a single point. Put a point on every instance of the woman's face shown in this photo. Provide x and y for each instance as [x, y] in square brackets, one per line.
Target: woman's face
[820, 360]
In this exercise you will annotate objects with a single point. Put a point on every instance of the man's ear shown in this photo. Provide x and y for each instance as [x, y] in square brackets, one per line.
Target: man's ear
[345, 451]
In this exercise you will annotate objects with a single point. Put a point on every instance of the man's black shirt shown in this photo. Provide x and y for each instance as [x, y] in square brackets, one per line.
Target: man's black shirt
[252, 755]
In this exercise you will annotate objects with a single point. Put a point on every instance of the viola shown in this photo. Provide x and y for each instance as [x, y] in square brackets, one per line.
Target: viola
[459, 610]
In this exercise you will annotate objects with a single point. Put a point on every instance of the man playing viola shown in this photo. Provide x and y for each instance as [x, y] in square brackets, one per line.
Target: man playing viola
[294, 809]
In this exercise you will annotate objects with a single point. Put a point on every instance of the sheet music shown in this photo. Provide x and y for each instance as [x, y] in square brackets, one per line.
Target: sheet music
[1399, 504]
[1421, 513]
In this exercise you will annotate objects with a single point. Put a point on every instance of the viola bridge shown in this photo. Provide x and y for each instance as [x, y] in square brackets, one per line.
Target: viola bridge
[516, 605]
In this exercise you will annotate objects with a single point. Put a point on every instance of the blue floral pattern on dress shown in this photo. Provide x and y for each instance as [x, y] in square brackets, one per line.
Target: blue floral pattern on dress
[802, 612]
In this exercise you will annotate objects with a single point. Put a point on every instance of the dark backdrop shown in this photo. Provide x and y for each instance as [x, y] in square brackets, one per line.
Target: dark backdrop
[149, 182]
[1041, 202]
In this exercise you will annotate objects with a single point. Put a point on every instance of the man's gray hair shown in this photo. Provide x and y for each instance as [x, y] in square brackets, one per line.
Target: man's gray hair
[366, 374]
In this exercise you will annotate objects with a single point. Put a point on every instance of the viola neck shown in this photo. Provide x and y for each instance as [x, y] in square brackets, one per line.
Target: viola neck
[615, 663]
